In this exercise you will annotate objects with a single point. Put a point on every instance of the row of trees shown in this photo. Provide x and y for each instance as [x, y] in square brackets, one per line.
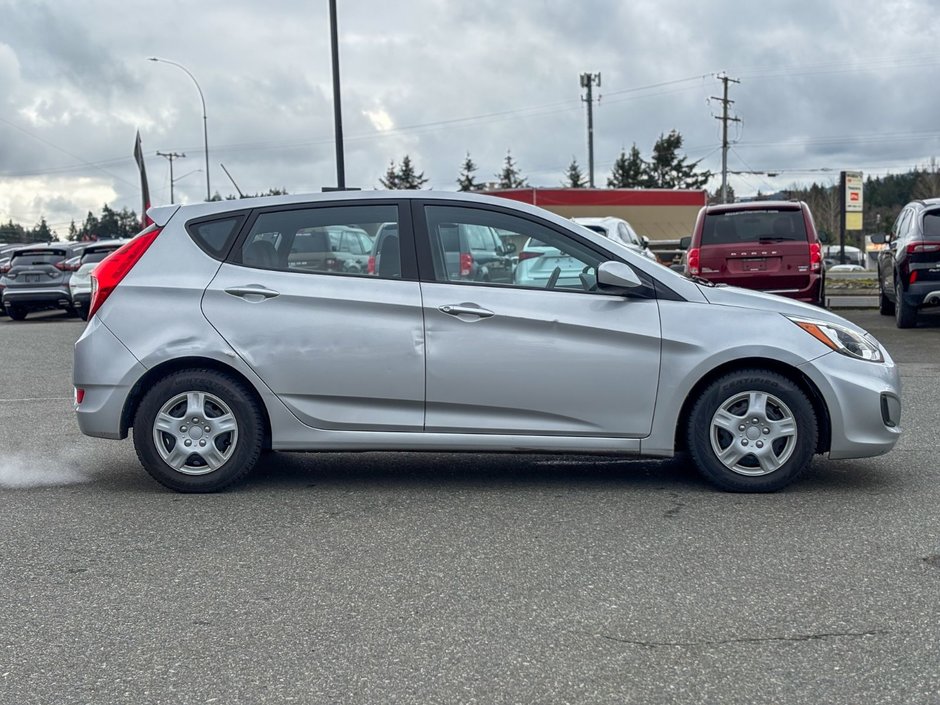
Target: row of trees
[666, 168]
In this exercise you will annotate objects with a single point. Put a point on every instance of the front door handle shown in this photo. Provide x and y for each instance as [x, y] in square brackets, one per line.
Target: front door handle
[252, 292]
[465, 309]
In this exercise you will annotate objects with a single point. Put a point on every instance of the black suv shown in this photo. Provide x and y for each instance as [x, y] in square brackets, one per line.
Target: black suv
[909, 263]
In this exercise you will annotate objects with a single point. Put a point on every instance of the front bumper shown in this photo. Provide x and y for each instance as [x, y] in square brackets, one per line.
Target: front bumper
[864, 402]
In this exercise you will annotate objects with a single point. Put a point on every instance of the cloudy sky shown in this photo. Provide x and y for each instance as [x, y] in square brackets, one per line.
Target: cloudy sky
[824, 85]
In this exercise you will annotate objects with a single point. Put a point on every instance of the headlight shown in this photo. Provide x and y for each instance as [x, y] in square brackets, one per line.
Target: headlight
[841, 339]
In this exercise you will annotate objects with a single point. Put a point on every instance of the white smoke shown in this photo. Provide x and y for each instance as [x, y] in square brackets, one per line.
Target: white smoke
[18, 471]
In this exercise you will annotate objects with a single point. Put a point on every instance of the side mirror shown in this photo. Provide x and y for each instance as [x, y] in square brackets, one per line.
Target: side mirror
[646, 241]
[684, 242]
[616, 275]
[509, 248]
[878, 239]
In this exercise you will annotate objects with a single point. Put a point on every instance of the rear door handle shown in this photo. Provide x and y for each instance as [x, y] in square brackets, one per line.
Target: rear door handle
[465, 309]
[252, 291]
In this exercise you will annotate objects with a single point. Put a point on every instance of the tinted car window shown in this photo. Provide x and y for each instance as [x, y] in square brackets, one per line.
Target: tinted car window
[321, 240]
[735, 227]
[215, 236]
[932, 224]
[97, 256]
[37, 257]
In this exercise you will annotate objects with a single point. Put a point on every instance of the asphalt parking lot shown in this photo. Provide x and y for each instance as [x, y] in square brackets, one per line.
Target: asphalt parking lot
[432, 578]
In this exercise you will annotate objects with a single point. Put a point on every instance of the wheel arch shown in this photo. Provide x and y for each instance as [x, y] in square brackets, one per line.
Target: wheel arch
[805, 384]
[155, 374]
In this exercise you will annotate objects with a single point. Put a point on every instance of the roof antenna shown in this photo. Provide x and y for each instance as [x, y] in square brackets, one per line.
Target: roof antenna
[240, 194]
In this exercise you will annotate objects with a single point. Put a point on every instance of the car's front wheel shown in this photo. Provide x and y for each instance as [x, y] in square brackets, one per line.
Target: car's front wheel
[752, 431]
[198, 431]
[885, 305]
[905, 315]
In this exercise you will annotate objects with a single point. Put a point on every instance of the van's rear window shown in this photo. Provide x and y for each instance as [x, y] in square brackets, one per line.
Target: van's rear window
[738, 227]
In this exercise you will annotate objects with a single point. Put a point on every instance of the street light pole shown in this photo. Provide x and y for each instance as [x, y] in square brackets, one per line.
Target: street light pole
[205, 121]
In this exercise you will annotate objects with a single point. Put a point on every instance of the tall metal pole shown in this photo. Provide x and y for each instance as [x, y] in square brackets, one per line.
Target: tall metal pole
[725, 103]
[205, 120]
[588, 80]
[337, 105]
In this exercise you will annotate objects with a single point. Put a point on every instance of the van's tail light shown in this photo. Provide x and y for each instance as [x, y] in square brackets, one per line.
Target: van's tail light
[370, 268]
[113, 268]
[523, 256]
[694, 261]
[815, 257]
[922, 247]
[466, 264]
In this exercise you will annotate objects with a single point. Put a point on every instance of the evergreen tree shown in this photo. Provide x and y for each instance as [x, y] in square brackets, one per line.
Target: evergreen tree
[109, 227]
[466, 182]
[668, 170]
[41, 233]
[73, 232]
[575, 177]
[408, 178]
[12, 232]
[89, 229]
[390, 180]
[628, 171]
[509, 177]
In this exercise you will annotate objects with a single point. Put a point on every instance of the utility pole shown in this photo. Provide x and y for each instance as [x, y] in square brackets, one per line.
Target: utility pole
[588, 81]
[170, 156]
[725, 119]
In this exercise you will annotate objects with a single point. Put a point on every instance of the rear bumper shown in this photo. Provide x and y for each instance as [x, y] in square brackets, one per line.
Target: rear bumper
[810, 293]
[37, 298]
[106, 386]
[926, 293]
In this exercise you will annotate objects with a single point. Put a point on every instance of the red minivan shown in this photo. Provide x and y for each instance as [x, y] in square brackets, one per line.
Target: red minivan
[770, 246]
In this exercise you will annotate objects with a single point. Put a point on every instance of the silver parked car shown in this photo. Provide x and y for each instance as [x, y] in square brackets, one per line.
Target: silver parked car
[218, 347]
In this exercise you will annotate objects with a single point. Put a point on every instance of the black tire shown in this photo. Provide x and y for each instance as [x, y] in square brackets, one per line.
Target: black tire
[216, 400]
[17, 313]
[905, 315]
[764, 456]
[885, 305]
[821, 299]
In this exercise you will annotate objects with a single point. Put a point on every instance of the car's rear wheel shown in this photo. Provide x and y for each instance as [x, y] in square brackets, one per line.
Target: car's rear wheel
[17, 313]
[905, 315]
[198, 431]
[752, 431]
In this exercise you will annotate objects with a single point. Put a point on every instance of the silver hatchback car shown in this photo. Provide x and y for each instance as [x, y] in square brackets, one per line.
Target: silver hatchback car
[213, 342]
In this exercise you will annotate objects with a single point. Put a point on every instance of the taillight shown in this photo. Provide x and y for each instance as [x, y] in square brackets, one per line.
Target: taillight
[921, 247]
[466, 264]
[64, 266]
[913, 277]
[113, 268]
[695, 265]
[370, 268]
[79, 395]
[523, 256]
[332, 264]
[815, 257]
[4, 268]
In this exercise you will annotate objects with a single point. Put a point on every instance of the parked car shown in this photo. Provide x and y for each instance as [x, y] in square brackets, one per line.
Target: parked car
[37, 278]
[619, 231]
[474, 252]
[216, 351]
[770, 246]
[836, 268]
[80, 281]
[547, 267]
[331, 249]
[909, 264]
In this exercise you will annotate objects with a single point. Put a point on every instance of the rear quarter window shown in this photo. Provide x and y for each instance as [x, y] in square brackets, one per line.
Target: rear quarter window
[215, 236]
[932, 225]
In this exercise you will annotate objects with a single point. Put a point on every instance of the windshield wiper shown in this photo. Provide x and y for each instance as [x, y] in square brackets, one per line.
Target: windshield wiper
[704, 282]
